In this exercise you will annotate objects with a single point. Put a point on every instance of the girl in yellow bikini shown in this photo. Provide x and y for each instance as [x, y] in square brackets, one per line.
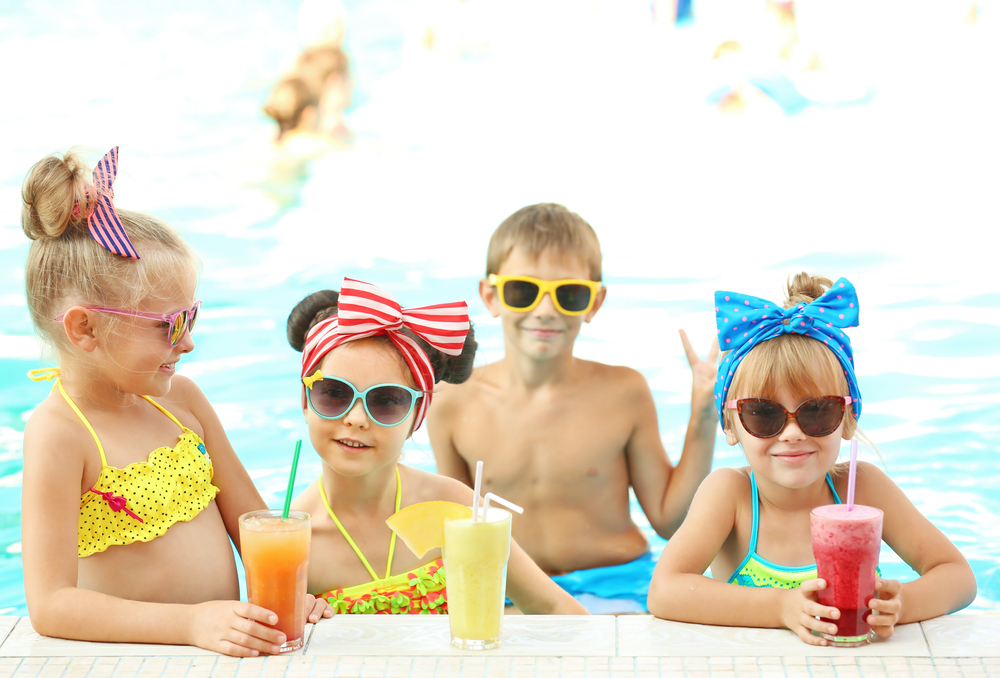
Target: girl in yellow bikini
[112, 292]
[368, 372]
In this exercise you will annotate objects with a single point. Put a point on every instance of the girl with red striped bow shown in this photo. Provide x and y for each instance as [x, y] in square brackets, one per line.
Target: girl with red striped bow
[368, 374]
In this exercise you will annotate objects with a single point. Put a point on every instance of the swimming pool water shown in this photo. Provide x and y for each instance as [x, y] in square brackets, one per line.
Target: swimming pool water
[606, 115]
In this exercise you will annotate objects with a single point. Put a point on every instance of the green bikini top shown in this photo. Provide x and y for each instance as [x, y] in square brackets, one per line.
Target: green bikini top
[761, 573]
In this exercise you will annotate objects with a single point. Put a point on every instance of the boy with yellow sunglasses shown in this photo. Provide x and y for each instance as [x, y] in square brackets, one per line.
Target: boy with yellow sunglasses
[563, 437]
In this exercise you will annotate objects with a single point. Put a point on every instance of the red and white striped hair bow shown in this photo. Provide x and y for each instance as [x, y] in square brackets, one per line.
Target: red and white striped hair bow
[364, 310]
[103, 222]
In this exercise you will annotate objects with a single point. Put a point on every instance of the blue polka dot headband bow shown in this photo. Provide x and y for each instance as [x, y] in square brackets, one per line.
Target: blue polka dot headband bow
[745, 321]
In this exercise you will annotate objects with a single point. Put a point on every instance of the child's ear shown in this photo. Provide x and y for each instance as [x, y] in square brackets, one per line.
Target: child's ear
[731, 437]
[305, 403]
[488, 293]
[78, 323]
[597, 304]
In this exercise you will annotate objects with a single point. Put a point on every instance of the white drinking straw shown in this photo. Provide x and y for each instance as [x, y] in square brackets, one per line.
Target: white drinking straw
[852, 474]
[500, 500]
[475, 496]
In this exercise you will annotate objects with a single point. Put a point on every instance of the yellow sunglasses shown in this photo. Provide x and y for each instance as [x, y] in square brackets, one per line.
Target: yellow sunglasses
[522, 293]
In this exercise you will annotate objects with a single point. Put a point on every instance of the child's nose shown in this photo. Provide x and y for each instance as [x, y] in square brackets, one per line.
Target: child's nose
[357, 416]
[791, 431]
[546, 307]
[186, 344]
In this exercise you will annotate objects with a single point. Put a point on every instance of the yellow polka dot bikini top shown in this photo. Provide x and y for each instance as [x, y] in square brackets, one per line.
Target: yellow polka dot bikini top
[141, 501]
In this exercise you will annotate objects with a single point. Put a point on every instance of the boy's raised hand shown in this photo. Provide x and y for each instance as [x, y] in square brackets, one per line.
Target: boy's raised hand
[800, 610]
[703, 372]
[886, 607]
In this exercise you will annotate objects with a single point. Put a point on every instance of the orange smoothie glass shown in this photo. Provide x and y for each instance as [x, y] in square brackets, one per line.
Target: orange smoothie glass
[275, 554]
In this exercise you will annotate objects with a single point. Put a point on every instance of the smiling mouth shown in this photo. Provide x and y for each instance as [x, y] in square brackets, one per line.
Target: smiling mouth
[353, 444]
[168, 366]
[798, 456]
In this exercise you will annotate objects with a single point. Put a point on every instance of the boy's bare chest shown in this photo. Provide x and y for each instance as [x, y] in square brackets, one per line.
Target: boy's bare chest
[571, 439]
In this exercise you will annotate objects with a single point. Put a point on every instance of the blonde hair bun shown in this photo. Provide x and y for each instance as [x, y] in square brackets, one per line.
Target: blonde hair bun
[805, 288]
[53, 187]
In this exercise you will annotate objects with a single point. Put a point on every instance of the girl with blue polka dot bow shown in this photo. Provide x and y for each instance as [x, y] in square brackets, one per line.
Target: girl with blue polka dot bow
[787, 392]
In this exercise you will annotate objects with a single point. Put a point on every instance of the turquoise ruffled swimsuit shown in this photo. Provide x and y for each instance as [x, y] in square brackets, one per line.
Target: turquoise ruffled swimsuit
[762, 573]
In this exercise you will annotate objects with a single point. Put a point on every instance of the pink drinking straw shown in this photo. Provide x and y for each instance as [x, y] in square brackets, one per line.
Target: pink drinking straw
[852, 474]
[475, 495]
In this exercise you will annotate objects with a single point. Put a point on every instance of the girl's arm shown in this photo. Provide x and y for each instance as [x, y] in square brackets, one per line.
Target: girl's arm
[680, 591]
[54, 451]
[946, 580]
[533, 591]
[237, 493]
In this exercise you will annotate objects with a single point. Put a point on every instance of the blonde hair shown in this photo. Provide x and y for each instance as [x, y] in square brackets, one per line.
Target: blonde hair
[66, 266]
[546, 225]
[800, 364]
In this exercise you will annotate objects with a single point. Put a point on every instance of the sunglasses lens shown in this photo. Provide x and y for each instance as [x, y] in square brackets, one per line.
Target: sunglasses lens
[177, 328]
[193, 316]
[821, 416]
[331, 397]
[388, 405]
[573, 298]
[519, 293]
[762, 418]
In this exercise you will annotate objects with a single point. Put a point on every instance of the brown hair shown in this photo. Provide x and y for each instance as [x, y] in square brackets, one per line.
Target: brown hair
[286, 103]
[66, 266]
[545, 225]
[794, 361]
[316, 64]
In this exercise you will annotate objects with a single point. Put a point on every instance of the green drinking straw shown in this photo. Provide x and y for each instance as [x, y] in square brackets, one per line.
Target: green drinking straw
[291, 480]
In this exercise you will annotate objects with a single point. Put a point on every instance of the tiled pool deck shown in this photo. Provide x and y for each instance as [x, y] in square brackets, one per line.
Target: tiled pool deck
[639, 646]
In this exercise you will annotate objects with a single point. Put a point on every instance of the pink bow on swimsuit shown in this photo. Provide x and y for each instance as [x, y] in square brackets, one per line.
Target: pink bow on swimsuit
[116, 503]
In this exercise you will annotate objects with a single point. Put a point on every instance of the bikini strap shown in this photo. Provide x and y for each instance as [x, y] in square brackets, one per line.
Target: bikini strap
[755, 501]
[161, 409]
[836, 497]
[50, 373]
[357, 551]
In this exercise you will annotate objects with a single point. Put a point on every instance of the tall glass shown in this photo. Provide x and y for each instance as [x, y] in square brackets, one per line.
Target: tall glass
[475, 560]
[846, 546]
[275, 554]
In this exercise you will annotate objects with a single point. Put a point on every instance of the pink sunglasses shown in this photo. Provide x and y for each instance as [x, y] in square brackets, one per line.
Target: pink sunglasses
[180, 321]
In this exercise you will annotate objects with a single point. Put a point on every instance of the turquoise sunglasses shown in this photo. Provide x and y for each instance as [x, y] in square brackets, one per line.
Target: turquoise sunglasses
[385, 404]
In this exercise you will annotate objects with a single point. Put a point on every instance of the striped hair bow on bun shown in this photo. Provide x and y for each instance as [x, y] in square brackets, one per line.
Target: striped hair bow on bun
[744, 321]
[364, 310]
[103, 222]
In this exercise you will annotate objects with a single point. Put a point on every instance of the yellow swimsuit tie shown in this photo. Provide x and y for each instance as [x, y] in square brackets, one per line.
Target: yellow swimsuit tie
[43, 373]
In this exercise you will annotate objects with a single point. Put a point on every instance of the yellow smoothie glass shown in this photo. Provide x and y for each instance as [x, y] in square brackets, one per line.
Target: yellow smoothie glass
[475, 559]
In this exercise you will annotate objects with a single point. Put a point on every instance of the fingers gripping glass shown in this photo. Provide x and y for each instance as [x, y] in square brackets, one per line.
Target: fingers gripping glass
[386, 404]
[523, 293]
[817, 417]
[178, 322]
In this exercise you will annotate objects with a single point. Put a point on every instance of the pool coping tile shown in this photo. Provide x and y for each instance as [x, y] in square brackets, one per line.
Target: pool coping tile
[648, 636]
[429, 635]
[963, 635]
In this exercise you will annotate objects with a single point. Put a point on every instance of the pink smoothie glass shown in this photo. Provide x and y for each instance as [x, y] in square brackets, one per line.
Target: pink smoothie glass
[846, 546]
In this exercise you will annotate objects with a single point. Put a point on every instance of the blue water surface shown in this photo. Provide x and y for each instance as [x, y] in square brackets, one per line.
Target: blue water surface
[889, 193]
